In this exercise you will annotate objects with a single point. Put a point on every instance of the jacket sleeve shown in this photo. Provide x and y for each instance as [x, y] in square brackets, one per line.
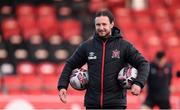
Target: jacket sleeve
[77, 60]
[134, 58]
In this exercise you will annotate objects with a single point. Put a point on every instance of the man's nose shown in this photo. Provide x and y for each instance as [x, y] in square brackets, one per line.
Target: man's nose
[101, 27]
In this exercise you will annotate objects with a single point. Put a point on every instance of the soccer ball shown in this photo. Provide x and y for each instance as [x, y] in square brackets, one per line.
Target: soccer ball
[126, 76]
[79, 79]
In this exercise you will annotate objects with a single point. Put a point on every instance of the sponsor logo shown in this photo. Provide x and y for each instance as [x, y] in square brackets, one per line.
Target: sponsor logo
[92, 56]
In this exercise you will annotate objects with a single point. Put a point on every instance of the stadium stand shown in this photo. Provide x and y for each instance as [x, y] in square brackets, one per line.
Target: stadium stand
[37, 36]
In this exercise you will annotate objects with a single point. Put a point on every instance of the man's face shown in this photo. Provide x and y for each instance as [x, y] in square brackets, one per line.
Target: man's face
[103, 26]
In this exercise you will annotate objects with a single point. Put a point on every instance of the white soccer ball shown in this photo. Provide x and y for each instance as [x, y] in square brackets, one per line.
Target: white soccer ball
[79, 79]
[126, 76]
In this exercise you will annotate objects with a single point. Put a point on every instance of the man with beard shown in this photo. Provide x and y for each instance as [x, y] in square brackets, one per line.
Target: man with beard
[105, 54]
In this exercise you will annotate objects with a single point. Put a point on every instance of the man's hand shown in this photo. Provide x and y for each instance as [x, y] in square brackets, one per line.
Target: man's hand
[135, 89]
[63, 95]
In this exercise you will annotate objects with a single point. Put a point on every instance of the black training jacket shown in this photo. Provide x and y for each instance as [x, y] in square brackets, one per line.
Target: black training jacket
[105, 59]
[159, 81]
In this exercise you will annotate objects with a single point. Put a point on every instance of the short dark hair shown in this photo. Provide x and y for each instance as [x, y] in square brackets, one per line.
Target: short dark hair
[105, 12]
[160, 54]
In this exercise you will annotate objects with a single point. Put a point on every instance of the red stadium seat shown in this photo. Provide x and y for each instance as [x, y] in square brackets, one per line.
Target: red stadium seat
[156, 3]
[174, 12]
[171, 41]
[174, 3]
[50, 84]
[95, 5]
[177, 24]
[165, 26]
[146, 21]
[152, 44]
[115, 3]
[48, 74]
[174, 54]
[46, 14]
[46, 69]
[160, 13]
[25, 10]
[152, 40]
[69, 28]
[1, 85]
[32, 84]
[7, 68]
[13, 84]
[10, 27]
[140, 13]
[125, 22]
[150, 32]
[132, 36]
[26, 68]
[121, 12]
[27, 20]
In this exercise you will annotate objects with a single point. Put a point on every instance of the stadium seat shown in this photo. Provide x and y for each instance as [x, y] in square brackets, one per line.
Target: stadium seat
[125, 22]
[141, 13]
[37, 49]
[46, 14]
[152, 44]
[160, 13]
[7, 68]
[13, 84]
[156, 4]
[146, 21]
[26, 68]
[177, 24]
[10, 27]
[48, 74]
[121, 12]
[46, 69]
[174, 3]
[17, 49]
[26, 17]
[50, 84]
[174, 54]
[32, 84]
[165, 26]
[115, 3]
[170, 41]
[3, 52]
[132, 36]
[96, 5]
[25, 9]
[58, 50]
[69, 28]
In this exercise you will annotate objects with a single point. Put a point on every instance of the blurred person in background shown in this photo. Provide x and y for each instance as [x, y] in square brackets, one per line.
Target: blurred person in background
[159, 80]
[105, 54]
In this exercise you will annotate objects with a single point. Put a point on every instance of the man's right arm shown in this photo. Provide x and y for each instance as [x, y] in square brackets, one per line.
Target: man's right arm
[77, 60]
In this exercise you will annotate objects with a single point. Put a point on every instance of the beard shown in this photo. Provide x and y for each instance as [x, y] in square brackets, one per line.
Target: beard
[103, 34]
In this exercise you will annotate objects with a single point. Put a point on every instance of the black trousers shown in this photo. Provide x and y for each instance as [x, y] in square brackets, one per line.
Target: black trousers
[109, 107]
[162, 104]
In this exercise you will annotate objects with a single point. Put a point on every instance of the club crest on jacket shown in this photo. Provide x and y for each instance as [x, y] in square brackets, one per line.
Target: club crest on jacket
[115, 54]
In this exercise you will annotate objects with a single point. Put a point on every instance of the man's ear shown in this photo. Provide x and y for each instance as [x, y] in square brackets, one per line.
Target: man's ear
[112, 24]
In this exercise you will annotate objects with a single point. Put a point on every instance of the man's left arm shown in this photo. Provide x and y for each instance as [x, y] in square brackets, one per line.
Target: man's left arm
[134, 58]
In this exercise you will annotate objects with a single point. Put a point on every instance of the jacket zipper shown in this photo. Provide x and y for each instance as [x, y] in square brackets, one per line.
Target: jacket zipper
[102, 74]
